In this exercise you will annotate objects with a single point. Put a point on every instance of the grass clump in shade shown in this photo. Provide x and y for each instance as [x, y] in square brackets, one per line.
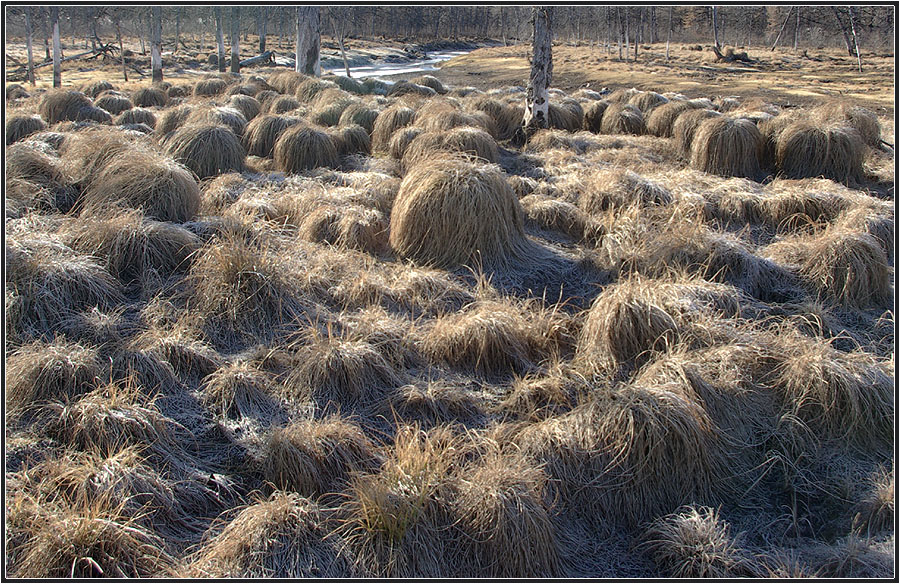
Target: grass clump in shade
[317, 457]
[685, 127]
[619, 118]
[20, 126]
[283, 536]
[282, 104]
[359, 114]
[846, 397]
[349, 84]
[28, 162]
[161, 188]
[286, 81]
[727, 147]
[430, 81]
[593, 115]
[453, 213]
[615, 188]
[501, 508]
[137, 115]
[406, 88]
[52, 538]
[134, 248]
[351, 139]
[647, 101]
[438, 117]
[464, 140]
[60, 105]
[246, 105]
[150, 97]
[841, 113]
[48, 281]
[875, 513]
[240, 390]
[661, 120]
[845, 267]
[505, 119]
[695, 543]
[304, 147]
[206, 149]
[308, 89]
[806, 150]
[340, 373]
[96, 88]
[396, 522]
[401, 140]
[113, 102]
[436, 402]
[566, 115]
[555, 215]
[38, 372]
[635, 318]
[605, 456]
[210, 87]
[243, 291]
[263, 131]
[172, 118]
[222, 116]
[389, 121]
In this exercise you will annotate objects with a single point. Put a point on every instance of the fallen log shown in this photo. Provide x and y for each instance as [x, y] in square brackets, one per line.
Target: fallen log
[267, 57]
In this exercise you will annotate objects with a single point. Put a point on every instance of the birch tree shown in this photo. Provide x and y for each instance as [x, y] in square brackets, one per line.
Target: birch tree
[537, 99]
[54, 22]
[235, 39]
[28, 35]
[308, 40]
[155, 41]
[220, 41]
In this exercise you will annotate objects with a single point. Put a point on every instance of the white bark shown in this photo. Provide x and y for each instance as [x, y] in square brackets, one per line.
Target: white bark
[235, 39]
[155, 42]
[220, 41]
[308, 41]
[28, 35]
[54, 19]
[537, 100]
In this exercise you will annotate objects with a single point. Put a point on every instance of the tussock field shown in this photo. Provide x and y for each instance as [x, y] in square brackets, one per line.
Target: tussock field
[274, 326]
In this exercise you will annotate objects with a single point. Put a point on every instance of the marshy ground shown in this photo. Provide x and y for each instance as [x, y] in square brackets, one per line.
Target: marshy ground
[274, 326]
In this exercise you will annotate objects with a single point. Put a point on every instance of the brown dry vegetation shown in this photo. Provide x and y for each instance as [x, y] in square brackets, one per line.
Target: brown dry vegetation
[313, 328]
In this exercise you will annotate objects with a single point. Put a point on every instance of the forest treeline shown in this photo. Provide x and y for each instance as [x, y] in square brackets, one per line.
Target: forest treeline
[184, 27]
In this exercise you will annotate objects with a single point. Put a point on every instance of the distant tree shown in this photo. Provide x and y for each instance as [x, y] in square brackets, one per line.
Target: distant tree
[28, 36]
[308, 41]
[262, 19]
[537, 99]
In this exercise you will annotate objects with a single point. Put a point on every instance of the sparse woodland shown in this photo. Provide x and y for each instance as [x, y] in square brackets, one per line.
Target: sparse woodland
[268, 323]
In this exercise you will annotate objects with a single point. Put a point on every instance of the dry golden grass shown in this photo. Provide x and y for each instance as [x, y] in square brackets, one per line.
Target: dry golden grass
[303, 147]
[389, 121]
[207, 149]
[19, 127]
[727, 147]
[807, 150]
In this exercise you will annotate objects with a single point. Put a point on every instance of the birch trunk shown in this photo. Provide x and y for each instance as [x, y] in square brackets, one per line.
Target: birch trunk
[263, 21]
[54, 22]
[155, 41]
[235, 39]
[537, 100]
[220, 40]
[28, 35]
[308, 41]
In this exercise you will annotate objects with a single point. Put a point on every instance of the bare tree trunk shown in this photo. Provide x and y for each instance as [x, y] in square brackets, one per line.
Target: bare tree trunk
[45, 20]
[141, 28]
[844, 31]
[620, 30]
[855, 38]
[308, 41]
[797, 29]
[638, 32]
[537, 99]
[92, 20]
[668, 34]
[715, 23]
[627, 26]
[263, 17]
[608, 31]
[177, 29]
[220, 41]
[121, 49]
[786, 18]
[235, 39]
[155, 41]
[54, 22]
[503, 26]
[28, 36]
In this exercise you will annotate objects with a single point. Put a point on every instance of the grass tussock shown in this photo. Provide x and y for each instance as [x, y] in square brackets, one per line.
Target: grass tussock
[222, 116]
[616, 188]
[593, 115]
[661, 120]
[172, 118]
[506, 120]
[555, 215]
[137, 115]
[95, 88]
[262, 132]
[284, 536]
[359, 114]
[159, 187]
[619, 118]
[150, 97]
[206, 149]
[875, 513]
[351, 139]
[317, 457]
[464, 140]
[727, 147]
[210, 87]
[303, 147]
[21, 126]
[240, 390]
[286, 81]
[60, 105]
[647, 101]
[454, 213]
[113, 102]
[400, 141]
[389, 121]
[845, 267]
[135, 248]
[695, 543]
[567, 115]
[806, 150]
[685, 126]
[500, 502]
[246, 105]
[863, 120]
